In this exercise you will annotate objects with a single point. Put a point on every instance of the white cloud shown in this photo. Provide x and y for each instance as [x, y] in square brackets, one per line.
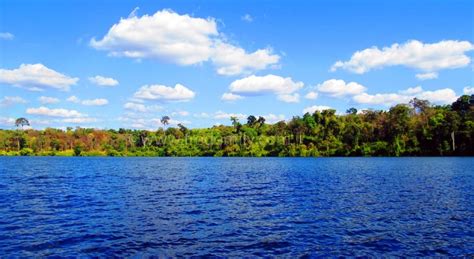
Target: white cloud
[180, 39]
[311, 95]
[339, 88]
[272, 118]
[5, 121]
[44, 111]
[441, 96]
[180, 113]
[385, 99]
[427, 76]
[427, 57]
[269, 118]
[138, 107]
[174, 122]
[269, 84]
[73, 99]
[103, 81]
[231, 97]
[48, 100]
[36, 77]
[95, 102]
[232, 60]
[88, 102]
[247, 18]
[289, 98]
[468, 90]
[11, 100]
[412, 90]
[314, 108]
[80, 120]
[6, 36]
[201, 115]
[149, 123]
[165, 93]
[224, 115]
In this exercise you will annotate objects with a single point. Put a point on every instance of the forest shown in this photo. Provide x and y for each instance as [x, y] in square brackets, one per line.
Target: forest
[414, 129]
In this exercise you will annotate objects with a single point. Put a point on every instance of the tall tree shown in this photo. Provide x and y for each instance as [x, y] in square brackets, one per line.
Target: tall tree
[251, 120]
[21, 122]
[165, 120]
[235, 123]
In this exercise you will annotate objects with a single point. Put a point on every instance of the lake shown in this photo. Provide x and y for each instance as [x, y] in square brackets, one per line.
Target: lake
[233, 207]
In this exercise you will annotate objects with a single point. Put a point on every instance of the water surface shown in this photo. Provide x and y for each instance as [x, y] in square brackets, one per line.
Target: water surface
[236, 206]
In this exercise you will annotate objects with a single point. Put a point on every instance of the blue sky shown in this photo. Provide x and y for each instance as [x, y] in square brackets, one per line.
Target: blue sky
[127, 63]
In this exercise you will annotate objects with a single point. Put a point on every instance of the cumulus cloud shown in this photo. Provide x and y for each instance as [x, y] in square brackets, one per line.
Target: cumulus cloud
[387, 99]
[139, 107]
[95, 102]
[224, 115]
[164, 93]
[412, 90]
[312, 109]
[6, 121]
[311, 95]
[180, 39]
[36, 77]
[88, 102]
[273, 118]
[468, 90]
[80, 120]
[427, 76]
[201, 115]
[6, 36]
[73, 99]
[180, 113]
[231, 97]
[448, 54]
[45, 111]
[232, 60]
[289, 98]
[283, 87]
[441, 96]
[48, 100]
[11, 100]
[339, 88]
[103, 81]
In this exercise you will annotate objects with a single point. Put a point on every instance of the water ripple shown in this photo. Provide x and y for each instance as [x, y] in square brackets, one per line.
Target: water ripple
[236, 207]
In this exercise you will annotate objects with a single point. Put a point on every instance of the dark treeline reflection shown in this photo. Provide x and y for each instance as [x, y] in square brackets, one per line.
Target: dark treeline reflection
[413, 129]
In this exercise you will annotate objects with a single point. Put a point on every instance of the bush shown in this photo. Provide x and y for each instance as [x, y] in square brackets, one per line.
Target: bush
[26, 152]
[77, 150]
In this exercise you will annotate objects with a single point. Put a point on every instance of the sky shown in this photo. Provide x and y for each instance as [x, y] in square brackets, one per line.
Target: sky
[125, 64]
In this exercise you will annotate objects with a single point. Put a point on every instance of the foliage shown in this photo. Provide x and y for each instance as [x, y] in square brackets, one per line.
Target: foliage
[414, 129]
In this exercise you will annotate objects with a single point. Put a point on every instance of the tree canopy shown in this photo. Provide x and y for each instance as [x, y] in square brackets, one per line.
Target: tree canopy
[414, 129]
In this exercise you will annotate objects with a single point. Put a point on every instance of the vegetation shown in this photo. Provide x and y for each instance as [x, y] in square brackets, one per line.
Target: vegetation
[414, 129]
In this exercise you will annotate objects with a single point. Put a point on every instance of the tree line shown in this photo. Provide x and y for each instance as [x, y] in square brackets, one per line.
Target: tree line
[414, 129]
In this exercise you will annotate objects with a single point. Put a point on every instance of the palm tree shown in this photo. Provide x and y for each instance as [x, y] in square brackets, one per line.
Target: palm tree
[235, 123]
[234, 120]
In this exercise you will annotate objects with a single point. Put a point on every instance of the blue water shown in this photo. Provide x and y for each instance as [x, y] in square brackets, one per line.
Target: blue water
[57, 206]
